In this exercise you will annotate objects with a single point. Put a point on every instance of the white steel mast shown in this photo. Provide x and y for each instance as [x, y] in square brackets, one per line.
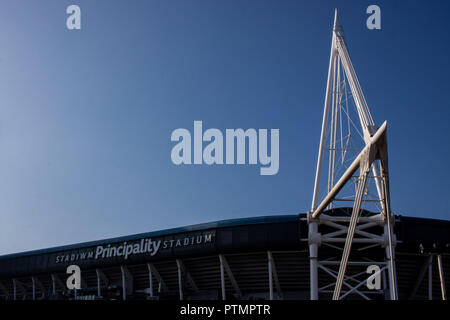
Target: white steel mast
[372, 158]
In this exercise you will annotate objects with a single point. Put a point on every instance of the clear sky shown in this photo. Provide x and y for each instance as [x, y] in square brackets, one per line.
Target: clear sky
[86, 115]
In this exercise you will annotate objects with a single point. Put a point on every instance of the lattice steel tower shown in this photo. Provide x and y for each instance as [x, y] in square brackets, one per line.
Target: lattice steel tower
[356, 151]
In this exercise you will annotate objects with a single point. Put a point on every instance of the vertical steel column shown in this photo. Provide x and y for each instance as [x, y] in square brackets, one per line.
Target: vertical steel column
[150, 279]
[180, 281]
[34, 288]
[441, 277]
[391, 266]
[99, 284]
[222, 279]
[14, 289]
[430, 279]
[388, 226]
[313, 263]
[269, 261]
[383, 277]
[124, 284]
[53, 285]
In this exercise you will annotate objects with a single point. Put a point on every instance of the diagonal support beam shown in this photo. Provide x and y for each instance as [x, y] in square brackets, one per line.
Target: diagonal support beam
[101, 277]
[377, 137]
[187, 274]
[18, 284]
[37, 283]
[420, 277]
[351, 229]
[328, 98]
[441, 277]
[353, 278]
[56, 281]
[333, 274]
[359, 230]
[273, 275]
[158, 277]
[361, 283]
[230, 275]
[127, 282]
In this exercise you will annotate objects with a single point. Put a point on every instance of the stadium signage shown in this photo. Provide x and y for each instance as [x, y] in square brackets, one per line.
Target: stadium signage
[143, 246]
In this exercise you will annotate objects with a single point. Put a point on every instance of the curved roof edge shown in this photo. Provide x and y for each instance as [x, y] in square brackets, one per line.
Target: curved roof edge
[203, 226]
[164, 232]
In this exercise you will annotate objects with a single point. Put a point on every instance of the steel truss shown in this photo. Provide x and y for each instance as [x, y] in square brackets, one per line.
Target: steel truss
[358, 230]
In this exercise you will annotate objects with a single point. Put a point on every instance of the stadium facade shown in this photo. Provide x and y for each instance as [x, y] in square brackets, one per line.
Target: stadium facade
[248, 259]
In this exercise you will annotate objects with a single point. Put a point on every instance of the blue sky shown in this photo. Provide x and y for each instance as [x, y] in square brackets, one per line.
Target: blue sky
[86, 115]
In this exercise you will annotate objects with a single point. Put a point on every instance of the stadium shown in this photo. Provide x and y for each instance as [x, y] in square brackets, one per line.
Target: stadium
[333, 251]
[249, 259]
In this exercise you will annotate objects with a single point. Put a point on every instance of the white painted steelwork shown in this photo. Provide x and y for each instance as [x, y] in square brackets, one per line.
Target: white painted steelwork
[372, 163]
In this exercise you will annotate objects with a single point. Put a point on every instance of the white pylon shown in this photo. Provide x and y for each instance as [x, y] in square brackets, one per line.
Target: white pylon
[371, 157]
